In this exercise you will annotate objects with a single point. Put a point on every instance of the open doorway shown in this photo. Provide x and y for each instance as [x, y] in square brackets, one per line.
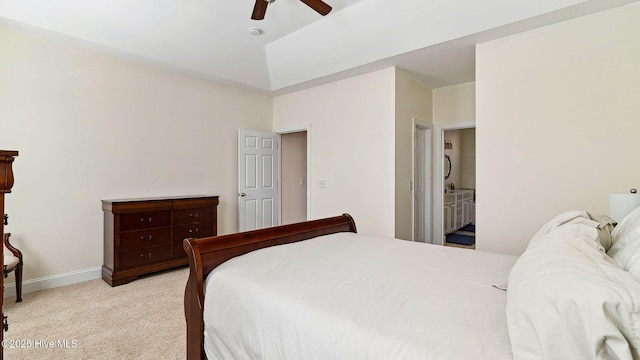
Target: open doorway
[293, 177]
[270, 173]
[459, 187]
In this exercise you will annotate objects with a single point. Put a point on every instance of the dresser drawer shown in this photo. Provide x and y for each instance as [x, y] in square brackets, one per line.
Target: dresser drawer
[144, 238]
[182, 232]
[145, 220]
[190, 216]
[145, 256]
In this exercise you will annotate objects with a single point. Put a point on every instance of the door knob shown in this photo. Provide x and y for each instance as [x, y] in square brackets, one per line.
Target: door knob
[243, 194]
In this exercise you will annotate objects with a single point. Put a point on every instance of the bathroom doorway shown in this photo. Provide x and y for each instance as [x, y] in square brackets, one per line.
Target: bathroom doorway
[456, 187]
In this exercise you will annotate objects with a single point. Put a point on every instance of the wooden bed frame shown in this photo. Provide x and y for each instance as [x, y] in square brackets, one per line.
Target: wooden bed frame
[205, 254]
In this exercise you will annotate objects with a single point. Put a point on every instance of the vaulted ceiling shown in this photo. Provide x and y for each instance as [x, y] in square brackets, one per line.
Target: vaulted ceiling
[432, 39]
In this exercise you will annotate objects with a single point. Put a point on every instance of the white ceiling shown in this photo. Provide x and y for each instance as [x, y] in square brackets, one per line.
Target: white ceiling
[433, 39]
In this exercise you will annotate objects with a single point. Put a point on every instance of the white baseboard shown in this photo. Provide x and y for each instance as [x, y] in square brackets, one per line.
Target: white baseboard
[49, 282]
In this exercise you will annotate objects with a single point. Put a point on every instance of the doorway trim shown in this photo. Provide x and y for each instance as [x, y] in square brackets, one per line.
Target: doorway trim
[429, 221]
[293, 129]
[438, 184]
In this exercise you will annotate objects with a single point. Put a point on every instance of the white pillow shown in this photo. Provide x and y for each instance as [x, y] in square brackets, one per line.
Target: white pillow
[568, 300]
[625, 232]
[629, 258]
[626, 243]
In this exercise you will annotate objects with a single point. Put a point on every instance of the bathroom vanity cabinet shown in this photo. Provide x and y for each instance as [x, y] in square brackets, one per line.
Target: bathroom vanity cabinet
[458, 210]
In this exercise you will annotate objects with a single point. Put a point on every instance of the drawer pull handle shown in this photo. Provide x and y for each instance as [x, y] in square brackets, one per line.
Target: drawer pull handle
[149, 237]
[196, 215]
[148, 220]
[143, 256]
[193, 231]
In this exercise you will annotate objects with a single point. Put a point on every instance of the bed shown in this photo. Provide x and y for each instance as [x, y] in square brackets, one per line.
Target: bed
[319, 290]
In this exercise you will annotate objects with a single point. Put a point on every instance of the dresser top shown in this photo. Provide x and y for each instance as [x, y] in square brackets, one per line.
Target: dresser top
[159, 198]
[8, 153]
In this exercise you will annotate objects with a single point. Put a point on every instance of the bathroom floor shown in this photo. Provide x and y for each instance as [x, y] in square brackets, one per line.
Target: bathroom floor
[463, 238]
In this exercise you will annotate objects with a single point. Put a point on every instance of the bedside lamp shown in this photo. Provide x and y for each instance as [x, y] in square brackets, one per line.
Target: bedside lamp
[620, 205]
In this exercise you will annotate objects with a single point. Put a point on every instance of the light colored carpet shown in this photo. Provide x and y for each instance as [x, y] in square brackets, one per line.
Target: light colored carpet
[140, 320]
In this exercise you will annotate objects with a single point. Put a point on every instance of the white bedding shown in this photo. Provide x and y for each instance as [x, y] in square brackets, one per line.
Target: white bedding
[569, 300]
[350, 296]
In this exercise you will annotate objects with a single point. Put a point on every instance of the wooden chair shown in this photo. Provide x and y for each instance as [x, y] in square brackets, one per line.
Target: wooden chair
[13, 262]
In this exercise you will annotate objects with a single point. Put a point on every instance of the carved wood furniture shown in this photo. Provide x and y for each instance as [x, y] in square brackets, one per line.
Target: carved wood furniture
[6, 183]
[13, 262]
[142, 236]
[206, 254]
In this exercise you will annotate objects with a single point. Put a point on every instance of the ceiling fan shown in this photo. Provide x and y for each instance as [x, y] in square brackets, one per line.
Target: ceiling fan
[260, 8]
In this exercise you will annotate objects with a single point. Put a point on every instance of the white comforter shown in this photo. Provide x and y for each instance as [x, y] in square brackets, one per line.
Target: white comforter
[350, 296]
[569, 300]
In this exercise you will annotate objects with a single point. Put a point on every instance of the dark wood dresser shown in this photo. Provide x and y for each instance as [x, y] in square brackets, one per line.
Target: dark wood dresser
[142, 236]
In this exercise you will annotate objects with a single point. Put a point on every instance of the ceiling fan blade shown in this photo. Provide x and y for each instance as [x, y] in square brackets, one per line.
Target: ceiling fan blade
[259, 9]
[318, 5]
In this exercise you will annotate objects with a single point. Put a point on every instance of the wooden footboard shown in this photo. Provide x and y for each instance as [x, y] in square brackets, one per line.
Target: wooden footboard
[205, 254]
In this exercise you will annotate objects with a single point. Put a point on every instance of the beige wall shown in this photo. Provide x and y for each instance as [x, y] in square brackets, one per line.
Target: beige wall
[413, 100]
[352, 147]
[468, 158]
[91, 127]
[463, 158]
[455, 105]
[293, 178]
[557, 123]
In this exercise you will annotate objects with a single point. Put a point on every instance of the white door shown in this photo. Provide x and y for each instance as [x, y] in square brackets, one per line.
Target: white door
[422, 185]
[257, 179]
[419, 211]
